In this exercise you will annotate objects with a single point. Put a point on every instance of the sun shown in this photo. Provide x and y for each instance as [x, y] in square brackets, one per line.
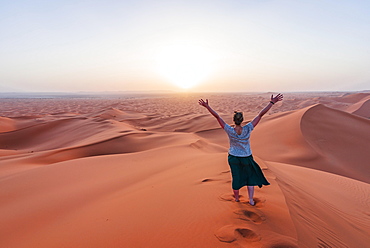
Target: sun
[185, 65]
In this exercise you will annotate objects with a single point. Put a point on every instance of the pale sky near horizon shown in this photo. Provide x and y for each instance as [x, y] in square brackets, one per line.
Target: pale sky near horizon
[48, 46]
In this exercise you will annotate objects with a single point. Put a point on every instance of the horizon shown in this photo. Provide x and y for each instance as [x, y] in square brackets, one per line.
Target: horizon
[159, 92]
[219, 46]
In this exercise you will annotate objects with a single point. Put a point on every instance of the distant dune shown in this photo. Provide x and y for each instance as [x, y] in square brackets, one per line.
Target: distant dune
[153, 172]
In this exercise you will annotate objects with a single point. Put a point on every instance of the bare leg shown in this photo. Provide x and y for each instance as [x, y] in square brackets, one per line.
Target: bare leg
[236, 195]
[251, 193]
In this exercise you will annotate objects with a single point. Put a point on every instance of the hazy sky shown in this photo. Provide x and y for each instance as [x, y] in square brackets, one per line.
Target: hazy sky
[228, 45]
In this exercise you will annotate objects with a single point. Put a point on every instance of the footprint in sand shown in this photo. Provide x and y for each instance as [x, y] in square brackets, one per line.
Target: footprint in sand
[231, 233]
[248, 215]
[223, 172]
[208, 180]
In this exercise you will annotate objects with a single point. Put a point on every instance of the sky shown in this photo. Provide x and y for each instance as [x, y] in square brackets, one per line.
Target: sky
[189, 45]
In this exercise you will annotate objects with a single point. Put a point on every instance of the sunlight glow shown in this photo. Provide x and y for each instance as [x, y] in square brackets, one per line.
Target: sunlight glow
[185, 65]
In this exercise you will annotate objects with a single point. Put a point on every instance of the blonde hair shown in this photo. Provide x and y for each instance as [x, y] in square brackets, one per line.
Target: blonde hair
[238, 117]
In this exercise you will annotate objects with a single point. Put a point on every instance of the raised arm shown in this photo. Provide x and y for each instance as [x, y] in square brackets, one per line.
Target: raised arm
[278, 97]
[214, 113]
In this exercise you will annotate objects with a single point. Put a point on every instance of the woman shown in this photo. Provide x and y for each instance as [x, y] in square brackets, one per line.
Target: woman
[244, 170]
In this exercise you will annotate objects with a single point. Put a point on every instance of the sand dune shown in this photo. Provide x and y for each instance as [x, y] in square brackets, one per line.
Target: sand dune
[328, 210]
[316, 137]
[361, 108]
[352, 98]
[341, 139]
[7, 124]
[152, 172]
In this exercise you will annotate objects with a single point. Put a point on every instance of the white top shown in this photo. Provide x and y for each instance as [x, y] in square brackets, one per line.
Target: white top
[239, 144]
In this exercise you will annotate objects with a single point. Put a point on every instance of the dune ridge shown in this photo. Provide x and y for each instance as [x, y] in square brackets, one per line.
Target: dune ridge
[152, 172]
[317, 137]
[361, 108]
[327, 209]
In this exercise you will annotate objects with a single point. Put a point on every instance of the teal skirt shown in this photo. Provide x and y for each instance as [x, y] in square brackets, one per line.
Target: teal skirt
[246, 172]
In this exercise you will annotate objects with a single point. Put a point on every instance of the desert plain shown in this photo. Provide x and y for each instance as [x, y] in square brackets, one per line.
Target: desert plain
[150, 170]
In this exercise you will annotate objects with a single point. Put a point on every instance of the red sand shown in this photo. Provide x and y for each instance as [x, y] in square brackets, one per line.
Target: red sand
[152, 172]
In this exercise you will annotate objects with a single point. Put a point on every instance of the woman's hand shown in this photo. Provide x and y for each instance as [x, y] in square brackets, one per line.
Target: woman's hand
[278, 97]
[256, 120]
[214, 113]
[203, 103]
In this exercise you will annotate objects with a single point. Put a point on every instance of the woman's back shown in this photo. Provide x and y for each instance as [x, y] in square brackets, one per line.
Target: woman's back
[239, 143]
